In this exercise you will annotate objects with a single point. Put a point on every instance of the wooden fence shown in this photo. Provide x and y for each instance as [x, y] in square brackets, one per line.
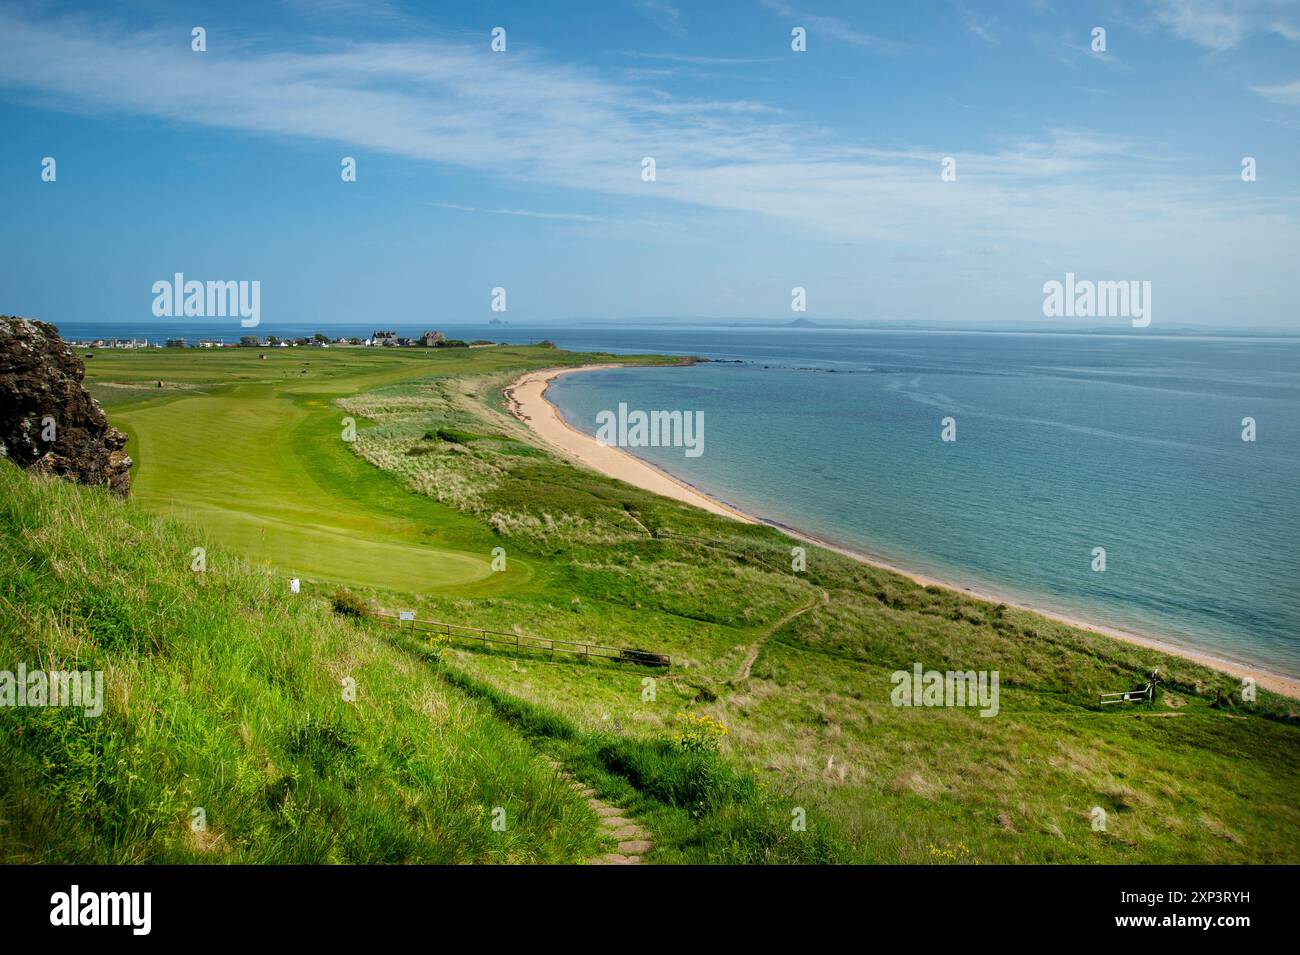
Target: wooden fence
[519, 641]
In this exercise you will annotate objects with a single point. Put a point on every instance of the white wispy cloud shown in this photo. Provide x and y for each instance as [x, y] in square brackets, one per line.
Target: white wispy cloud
[700, 60]
[1288, 94]
[526, 119]
[1223, 25]
[833, 28]
[1220, 25]
[522, 213]
[350, 9]
[662, 13]
[1074, 49]
[981, 26]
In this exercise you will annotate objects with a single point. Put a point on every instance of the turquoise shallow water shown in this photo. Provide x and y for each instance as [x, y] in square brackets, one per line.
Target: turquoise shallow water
[1064, 443]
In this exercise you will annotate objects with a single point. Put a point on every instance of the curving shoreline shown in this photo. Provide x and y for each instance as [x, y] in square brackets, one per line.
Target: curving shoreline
[526, 400]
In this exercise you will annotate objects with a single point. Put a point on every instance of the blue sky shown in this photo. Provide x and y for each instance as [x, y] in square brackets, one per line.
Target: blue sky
[775, 168]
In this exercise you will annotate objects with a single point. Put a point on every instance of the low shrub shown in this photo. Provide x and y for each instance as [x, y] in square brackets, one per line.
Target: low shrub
[348, 604]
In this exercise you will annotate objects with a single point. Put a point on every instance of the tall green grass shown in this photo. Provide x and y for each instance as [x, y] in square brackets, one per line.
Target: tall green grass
[700, 808]
[225, 694]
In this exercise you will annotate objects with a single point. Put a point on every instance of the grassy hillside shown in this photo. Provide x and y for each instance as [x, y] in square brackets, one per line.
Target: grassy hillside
[225, 692]
[795, 665]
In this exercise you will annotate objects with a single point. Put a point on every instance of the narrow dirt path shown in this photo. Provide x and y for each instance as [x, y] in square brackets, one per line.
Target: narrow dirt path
[748, 665]
[633, 840]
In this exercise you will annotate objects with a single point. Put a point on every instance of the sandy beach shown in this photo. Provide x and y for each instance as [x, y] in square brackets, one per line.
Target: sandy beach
[526, 400]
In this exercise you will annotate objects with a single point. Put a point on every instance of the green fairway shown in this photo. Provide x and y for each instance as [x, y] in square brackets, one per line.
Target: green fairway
[253, 467]
[249, 444]
[252, 450]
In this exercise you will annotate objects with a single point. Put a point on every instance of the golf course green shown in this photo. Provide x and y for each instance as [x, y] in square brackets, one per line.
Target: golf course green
[253, 450]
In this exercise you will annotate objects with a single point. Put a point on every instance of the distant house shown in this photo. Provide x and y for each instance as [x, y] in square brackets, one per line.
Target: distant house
[383, 338]
[432, 339]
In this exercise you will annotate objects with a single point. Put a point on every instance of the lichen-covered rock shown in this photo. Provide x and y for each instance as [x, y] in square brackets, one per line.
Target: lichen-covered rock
[48, 421]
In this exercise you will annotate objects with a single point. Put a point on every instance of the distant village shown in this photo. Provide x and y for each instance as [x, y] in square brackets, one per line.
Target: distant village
[377, 339]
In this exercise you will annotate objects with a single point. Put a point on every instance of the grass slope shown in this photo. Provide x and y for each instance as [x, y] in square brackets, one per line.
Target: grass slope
[224, 692]
[1184, 780]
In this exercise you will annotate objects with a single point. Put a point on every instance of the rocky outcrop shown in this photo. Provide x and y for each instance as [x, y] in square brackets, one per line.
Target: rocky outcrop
[49, 423]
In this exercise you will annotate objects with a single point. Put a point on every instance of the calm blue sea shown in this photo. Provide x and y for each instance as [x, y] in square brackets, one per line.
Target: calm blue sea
[1130, 442]
[1064, 443]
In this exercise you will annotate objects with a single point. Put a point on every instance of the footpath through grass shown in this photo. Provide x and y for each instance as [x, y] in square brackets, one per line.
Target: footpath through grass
[242, 723]
[227, 705]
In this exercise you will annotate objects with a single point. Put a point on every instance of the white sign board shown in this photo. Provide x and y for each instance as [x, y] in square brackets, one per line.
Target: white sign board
[406, 615]
[293, 585]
